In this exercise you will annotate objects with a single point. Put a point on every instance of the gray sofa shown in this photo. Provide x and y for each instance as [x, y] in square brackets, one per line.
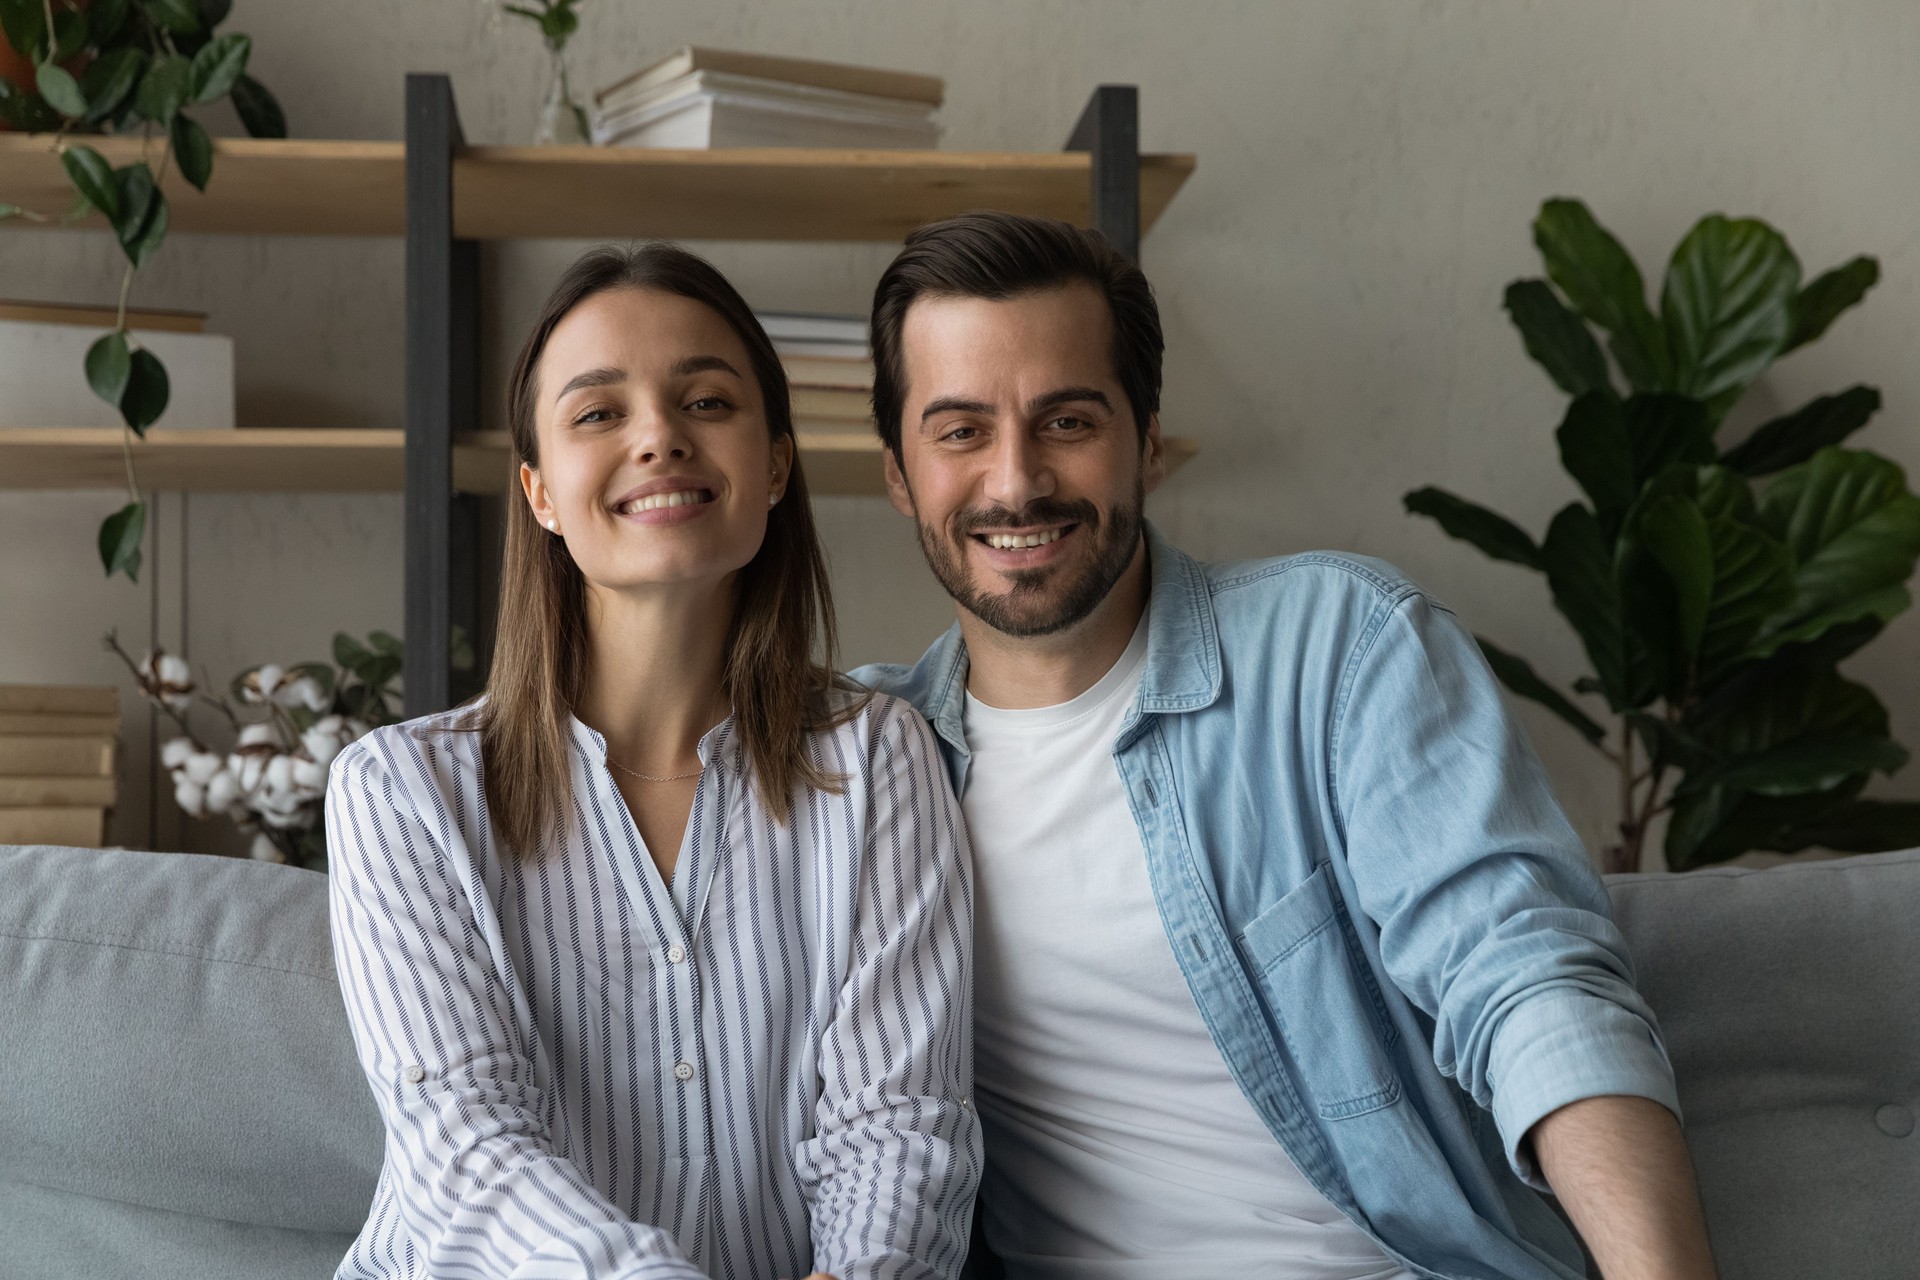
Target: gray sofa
[178, 1097]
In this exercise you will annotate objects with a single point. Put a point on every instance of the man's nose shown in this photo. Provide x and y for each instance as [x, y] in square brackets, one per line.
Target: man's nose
[1017, 472]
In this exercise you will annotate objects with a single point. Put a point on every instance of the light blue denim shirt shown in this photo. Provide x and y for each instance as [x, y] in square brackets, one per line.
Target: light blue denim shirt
[1392, 932]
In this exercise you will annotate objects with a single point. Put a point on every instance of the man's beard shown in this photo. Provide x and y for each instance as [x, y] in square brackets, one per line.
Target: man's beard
[1044, 601]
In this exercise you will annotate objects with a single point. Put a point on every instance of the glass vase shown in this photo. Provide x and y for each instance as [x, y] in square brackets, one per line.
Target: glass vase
[562, 122]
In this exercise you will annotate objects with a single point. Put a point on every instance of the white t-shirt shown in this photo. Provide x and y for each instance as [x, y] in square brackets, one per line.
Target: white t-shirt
[1117, 1143]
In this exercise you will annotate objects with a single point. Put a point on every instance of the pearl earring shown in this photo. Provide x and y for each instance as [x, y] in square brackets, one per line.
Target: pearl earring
[553, 525]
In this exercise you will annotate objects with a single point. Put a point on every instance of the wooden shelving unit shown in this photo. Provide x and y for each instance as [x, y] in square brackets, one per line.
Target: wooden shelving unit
[444, 198]
[359, 189]
[351, 460]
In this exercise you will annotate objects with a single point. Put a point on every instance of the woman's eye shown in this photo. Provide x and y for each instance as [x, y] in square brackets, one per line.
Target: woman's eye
[592, 416]
[710, 404]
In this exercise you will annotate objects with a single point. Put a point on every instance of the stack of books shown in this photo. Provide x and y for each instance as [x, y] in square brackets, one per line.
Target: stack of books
[56, 763]
[43, 354]
[709, 98]
[829, 368]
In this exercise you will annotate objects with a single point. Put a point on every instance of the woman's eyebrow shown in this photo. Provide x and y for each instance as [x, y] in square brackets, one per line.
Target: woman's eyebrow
[605, 376]
[701, 364]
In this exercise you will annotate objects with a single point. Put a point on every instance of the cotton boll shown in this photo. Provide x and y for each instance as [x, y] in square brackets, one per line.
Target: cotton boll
[258, 735]
[324, 739]
[258, 684]
[309, 777]
[191, 799]
[279, 776]
[305, 692]
[223, 792]
[201, 766]
[175, 752]
[247, 764]
[263, 849]
[166, 679]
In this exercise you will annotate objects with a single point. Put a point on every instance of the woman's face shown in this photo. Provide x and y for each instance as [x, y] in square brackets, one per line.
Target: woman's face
[654, 457]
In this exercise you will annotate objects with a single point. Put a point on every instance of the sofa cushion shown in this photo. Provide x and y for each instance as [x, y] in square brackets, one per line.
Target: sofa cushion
[174, 1023]
[1790, 1002]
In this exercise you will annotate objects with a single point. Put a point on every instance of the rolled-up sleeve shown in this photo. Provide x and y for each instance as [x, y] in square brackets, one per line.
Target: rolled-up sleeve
[895, 1159]
[477, 1186]
[1491, 919]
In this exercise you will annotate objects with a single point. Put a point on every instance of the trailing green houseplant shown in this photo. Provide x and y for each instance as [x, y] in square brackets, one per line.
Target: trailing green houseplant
[1714, 589]
[128, 66]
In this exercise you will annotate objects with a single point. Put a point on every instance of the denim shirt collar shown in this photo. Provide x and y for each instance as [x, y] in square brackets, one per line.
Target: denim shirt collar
[1183, 651]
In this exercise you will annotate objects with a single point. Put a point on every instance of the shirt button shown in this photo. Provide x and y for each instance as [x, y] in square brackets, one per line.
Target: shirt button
[415, 1075]
[676, 953]
[683, 1071]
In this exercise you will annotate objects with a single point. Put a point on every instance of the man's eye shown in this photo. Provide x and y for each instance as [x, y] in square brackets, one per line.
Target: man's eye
[960, 435]
[1068, 424]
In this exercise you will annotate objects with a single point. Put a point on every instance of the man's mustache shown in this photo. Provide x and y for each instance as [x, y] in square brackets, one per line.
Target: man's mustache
[1039, 511]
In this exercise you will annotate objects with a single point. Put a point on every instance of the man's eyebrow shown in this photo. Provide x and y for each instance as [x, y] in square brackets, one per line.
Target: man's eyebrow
[1068, 395]
[605, 376]
[954, 404]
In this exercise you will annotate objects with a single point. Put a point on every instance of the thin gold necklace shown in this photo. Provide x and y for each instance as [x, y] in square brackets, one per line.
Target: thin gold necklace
[647, 777]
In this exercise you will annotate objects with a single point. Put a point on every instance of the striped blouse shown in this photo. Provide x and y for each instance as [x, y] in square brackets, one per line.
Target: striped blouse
[756, 1070]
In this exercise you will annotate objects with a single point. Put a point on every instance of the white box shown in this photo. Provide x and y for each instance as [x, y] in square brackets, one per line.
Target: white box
[43, 377]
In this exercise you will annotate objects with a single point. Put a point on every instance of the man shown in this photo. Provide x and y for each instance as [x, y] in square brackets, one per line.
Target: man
[1287, 962]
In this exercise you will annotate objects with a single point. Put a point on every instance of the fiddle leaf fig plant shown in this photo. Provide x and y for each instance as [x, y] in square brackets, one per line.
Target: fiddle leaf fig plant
[128, 66]
[1714, 586]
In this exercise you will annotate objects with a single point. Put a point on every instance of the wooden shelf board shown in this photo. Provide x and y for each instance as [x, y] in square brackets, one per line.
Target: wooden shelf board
[284, 187]
[351, 460]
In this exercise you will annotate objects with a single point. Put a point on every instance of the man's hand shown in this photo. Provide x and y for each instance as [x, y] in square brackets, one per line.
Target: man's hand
[1619, 1165]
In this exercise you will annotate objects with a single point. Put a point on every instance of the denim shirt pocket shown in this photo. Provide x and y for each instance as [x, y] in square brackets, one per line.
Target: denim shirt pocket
[1298, 951]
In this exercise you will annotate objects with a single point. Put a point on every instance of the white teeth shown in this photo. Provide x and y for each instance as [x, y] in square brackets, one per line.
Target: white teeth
[1017, 541]
[678, 498]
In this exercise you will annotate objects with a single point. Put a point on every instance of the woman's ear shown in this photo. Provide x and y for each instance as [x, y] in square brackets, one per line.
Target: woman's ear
[782, 469]
[539, 501]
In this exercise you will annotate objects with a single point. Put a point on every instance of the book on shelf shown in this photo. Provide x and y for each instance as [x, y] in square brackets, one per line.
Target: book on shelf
[43, 380]
[104, 317]
[850, 373]
[34, 756]
[831, 404]
[713, 98]
[59, 724]
[60, 699]
[79, 825]
[30, 792]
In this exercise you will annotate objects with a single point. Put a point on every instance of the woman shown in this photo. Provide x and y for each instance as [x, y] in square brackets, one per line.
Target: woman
[656, 956]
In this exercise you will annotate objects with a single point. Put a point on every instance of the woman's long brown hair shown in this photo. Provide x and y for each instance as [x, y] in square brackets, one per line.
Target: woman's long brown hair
[778, 673]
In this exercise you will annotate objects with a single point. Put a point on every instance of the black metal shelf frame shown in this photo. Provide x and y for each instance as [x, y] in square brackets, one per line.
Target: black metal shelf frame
[447, 583]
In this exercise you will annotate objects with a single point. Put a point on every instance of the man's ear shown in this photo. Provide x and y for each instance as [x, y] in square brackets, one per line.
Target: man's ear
[1153, 456]
[897, 492]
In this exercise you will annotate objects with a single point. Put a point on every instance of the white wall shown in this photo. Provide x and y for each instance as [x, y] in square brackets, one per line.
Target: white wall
[1330, 278]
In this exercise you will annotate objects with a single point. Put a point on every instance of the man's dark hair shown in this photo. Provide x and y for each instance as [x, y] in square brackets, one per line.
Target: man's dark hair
[996, 256]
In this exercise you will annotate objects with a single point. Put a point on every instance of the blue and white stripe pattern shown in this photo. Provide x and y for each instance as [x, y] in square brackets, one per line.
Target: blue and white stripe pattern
[760, 1069]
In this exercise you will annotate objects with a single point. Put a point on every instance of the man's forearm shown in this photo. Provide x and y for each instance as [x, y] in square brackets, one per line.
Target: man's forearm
[1620, 1168]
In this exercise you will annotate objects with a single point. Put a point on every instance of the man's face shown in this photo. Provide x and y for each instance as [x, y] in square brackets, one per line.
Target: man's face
[1019, 459]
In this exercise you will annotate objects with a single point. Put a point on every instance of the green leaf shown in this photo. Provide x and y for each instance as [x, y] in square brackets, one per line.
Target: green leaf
[1670, 745]
[25, 22]
[70, 34]
[193, 150]
[120, 536]
[217, 67]
[1603, 284]
[142, 223]
[348, 652]
[110, 79]
[1596, 452]
[93, 178]
[1664, 430]
[259, 110]
[163, 91]
[1792, 439]
[109, 365]
[1720, 824]
[61, 91]
[380, 669]
[1494, 534]
[214, 12]
[1752, 579]
[1585, 590]
[1861, 826]
[106, 18]
[1803, 766]
[1519, 676]
[181, 17]
[10, 211]
[147, 391]
[1853, 530]
[384, 642]
[1823, 301]
[1728, 305]
[1674, 532]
